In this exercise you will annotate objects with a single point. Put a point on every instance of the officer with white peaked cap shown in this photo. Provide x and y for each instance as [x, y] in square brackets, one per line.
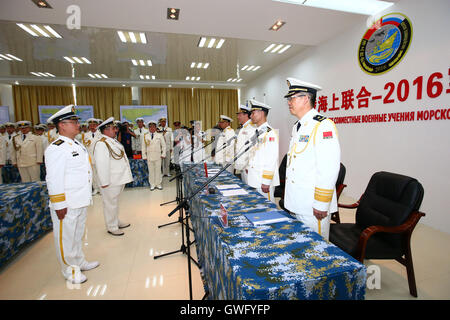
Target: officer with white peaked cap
[27, 153]
[313, 160]
[154, 151]
[69, 182]
[245, 133]
[262, 168]
[225, 143]
[113, 172]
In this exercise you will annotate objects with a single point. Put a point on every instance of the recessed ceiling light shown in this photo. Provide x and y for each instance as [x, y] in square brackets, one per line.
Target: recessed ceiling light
[147, 77]
[142, 62]
[97, 76]
[277, 25]
[210, 43]
[277, 48]
[80, 60]
[192, 78]
[250, 68]
[38, 31]
[234, 80]
[133, 37]
[42, 4]
[43, 74]
[200, 65]
[173, 14]
[9, 57]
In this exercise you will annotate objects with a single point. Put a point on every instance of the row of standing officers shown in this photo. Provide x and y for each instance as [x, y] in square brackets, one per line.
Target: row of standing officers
[313, 161]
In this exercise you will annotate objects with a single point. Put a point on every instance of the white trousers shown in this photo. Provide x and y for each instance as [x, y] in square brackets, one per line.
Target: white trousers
[95, 184]
[154, 172]
[311, 221]
[110, 196]
[68, 234]
[166, 164]
[30, 174]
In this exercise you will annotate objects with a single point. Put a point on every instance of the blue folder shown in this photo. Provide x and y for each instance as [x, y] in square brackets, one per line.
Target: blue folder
[266, 217]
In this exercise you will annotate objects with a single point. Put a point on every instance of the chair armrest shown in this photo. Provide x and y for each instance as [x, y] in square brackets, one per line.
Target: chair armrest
[406, 226]
[349, 206]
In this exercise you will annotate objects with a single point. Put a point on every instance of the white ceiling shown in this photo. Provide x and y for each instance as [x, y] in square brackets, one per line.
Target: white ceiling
[172, 45]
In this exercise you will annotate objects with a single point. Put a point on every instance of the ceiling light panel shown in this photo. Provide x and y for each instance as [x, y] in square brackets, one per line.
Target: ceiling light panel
[39, 30]
[9, 57]
[43, 74]
[205, 42]
[234, 80]
[132, 37]
[200, 65]
[191, 78]
[142, 62]
[250, 68]
[277, 25]
[42, 4]
[147, 77]
[98, 76]
[80, 60]
[277, 48]
[173, 14]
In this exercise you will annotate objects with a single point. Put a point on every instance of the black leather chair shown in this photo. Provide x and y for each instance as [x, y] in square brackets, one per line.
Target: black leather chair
[339, 187]
[386, 216]
[279, 190]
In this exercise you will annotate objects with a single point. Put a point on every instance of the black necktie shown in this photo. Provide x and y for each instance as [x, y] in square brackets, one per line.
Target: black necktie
[23, 137]
[93, 135]
[152, 136]
[140, 130]
[298, 125]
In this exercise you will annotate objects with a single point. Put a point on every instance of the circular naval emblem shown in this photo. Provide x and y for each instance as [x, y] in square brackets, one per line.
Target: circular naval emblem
[385, 43]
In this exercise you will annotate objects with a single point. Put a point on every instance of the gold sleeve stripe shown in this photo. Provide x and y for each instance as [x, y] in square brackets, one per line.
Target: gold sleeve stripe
[324, 190]
[268, 172]
[58, 198]
[323, 198]
[268, 177]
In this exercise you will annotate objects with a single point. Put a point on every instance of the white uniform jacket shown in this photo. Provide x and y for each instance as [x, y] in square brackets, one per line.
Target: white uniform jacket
[89, 140]
[27, 152]
[51, 135]
[69, 174]
[2, 151]
[263, 159]
[9, 147]
[153, 148]
[245, 134]
[136, 143]
[111, 162]
[313, 164]
[225, 154]
[168, 137]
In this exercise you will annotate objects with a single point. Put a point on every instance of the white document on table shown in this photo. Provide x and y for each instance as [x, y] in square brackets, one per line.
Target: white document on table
[227, 186]
[233, 192]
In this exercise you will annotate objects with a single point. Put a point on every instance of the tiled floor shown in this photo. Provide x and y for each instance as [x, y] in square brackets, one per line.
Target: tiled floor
[128, 269]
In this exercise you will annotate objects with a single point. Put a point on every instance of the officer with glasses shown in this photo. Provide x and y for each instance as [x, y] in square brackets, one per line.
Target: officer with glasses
[313, 160]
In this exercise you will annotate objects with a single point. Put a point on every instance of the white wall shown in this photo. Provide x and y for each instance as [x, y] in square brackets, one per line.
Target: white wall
[420, 149]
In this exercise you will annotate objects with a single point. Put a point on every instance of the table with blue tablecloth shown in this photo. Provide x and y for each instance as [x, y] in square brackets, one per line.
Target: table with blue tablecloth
[24, 216]
[285, 260]
[139, 170]
[11, 174]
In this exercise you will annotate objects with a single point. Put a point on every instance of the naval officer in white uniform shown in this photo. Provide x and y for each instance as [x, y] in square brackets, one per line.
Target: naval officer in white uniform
[243, 139]
[313, 160]
[225, 143]
[262, 168]
[69, 183]
[113, 172]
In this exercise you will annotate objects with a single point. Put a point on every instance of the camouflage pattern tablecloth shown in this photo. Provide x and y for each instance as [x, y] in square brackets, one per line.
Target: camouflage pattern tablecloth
[11, 174]
[285, 260]
[24, 216]
[139, 170]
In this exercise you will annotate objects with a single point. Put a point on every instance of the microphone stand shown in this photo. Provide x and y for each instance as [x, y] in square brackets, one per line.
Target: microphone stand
[183, 205]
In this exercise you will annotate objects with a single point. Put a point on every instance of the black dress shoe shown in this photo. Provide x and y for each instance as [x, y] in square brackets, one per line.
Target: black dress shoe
[116, 233]
[123, 226]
